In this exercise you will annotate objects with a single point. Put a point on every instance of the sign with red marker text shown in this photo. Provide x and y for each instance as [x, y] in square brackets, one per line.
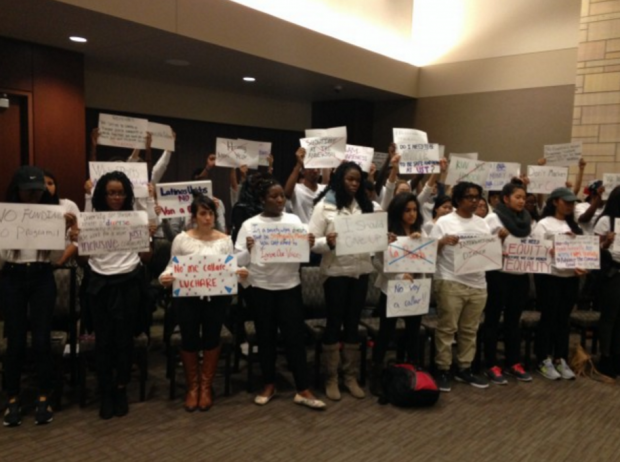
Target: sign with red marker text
[175, 198]
[476, 254]
[135, 171]
[280, 243]
[418, 158]
[543, 179]
[577, 252]
[204, 275]
[365, 233]
[104, 232]
[406, 255]
[527, 255]
[32, 227]
[408, 298]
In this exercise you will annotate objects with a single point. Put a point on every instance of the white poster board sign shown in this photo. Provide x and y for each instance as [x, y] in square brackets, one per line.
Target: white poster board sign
[527, 255]
[104, 232]
[324, 152]
[563, 155]
[175, 198]
[204, 275]
[365, 233]
[409, 135]
[162, 136]
[408, 298]
[122, 132]
[361, 155]
[500, 174]
[280, 243]
[463, 169]
[475, 254]
[335, 132]
[406, 255]
[418, 158]
[235, 153]
[32, 227]
[545, 179]
[135, 171]
[610, 181]
[577, 252]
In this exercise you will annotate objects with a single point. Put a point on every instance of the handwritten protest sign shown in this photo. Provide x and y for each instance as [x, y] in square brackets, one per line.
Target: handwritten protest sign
[175, 198]
[500, 174]
[122, 132]
[264, 150]
[361, 155]
[162, 136]
[363, 233]
[409, 135]
[418, 158]
[408, 298]
[545, 179]
[463, 169]
[379, 159]
[325, 152]
[280, 243]
[406, 255]
[104, 232]
[610, 181]
[475, 254]
[577, 252]
[563, 154]
[135, 171]
[235, 153]
[616, 244]
[335, 132]
[527, 255]
[204, 275]
[32, 227]
[465, 155]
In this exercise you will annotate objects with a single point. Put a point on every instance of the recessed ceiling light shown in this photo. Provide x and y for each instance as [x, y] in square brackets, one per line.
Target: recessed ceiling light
[177, 62]
[75, 38]
[249, 79]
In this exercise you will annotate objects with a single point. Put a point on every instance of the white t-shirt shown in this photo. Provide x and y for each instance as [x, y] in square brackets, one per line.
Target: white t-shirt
[580, 209]
[269, 276]
[601, 229]
[302, 201]
[114, 263]
[455, 225]
[547, 228]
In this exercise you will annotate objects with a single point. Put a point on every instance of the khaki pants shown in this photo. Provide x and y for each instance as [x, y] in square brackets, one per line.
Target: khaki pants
[459, 308]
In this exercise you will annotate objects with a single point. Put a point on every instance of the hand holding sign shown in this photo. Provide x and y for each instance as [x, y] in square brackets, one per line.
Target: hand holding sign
[408, 298]
[204, 275]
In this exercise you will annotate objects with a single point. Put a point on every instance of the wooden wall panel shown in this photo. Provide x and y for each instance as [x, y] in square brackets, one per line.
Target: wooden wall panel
[15, 65]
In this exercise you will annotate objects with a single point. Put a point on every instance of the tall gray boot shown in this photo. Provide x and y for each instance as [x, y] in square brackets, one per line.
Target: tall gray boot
[350, 369]
[331, 361]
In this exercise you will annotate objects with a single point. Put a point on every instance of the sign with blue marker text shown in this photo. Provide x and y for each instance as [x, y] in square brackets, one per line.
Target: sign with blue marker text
[364, 233]
[463, 169]
[418, 158]
[476, 254]
[361, 155]
[204, 275]
[408, 298]
[406, 255]
[104, 232]
[280, 243]
[500, 174]
[581, 252]
[32, 227]
[175, 198]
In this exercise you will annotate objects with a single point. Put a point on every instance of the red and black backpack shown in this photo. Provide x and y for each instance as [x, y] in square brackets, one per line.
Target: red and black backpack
[406, 386]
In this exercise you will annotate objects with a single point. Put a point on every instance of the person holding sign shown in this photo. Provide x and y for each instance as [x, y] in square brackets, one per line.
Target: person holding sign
[556, 292]
[276, 298]
[460, 297]
[404, 219]
[196, 314]
[302, 194]
[506, 290]
[28, 296]
[117, 301]
[345, 276]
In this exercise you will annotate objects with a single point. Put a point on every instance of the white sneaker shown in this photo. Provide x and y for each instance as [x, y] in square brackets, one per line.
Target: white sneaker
[548, 370]
[565, 371]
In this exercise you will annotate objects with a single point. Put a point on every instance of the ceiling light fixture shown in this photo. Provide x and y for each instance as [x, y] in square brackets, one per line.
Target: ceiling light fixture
[249, 79]
[177, 62]
[75, 38]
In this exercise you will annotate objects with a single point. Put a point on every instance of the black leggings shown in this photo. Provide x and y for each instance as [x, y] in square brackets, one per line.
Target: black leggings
[609, 304]
[344, 298]
[200, 321]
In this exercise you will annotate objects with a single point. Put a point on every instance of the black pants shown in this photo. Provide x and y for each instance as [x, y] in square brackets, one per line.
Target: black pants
[28, 300]
[556, 298]
[508, 293]
[281, 309]
[387, 329]
[609, 304]
[201, 321]
[345, 298]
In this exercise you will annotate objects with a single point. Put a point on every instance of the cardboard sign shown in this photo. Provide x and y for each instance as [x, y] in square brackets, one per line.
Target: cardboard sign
[500, 174]
[418, 158]
[122, 132]
[32, 227]
[563, 155]
[364, 233]
[544, 179]
[409, 135]
[406, 255]
[407, 298]
[463, 169]
[476, 254]
[105, 232]
[235, 153]
[280, 243]
[610, 181]
[175, 198]
[527, 255]
[577, 252]
[204, 275]
[361, 155]
[162, 136]
[135, 171]
[325, 152]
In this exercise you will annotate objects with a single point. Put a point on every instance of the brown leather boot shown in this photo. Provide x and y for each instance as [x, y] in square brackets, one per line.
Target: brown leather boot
[209, 366]
[190, 365]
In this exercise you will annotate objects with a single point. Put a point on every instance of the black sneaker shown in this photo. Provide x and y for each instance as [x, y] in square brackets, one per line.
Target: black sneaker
[444, 381]
[43, 413]
[466, 376]
[494, 374]
[519, 373]
[13, 414]
[121, 406]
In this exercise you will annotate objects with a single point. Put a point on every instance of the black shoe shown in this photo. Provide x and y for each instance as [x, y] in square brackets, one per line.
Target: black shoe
[121, 406]
[43, 413]
[466, 376]
[13, 413]
[106, 411]
[444, 381]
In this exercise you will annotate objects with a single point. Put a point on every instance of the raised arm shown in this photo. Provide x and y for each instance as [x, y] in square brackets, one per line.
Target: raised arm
[289, 187]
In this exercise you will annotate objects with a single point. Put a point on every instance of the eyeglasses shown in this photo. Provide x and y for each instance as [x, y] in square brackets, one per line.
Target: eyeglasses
[115, 194]
[472, 197]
